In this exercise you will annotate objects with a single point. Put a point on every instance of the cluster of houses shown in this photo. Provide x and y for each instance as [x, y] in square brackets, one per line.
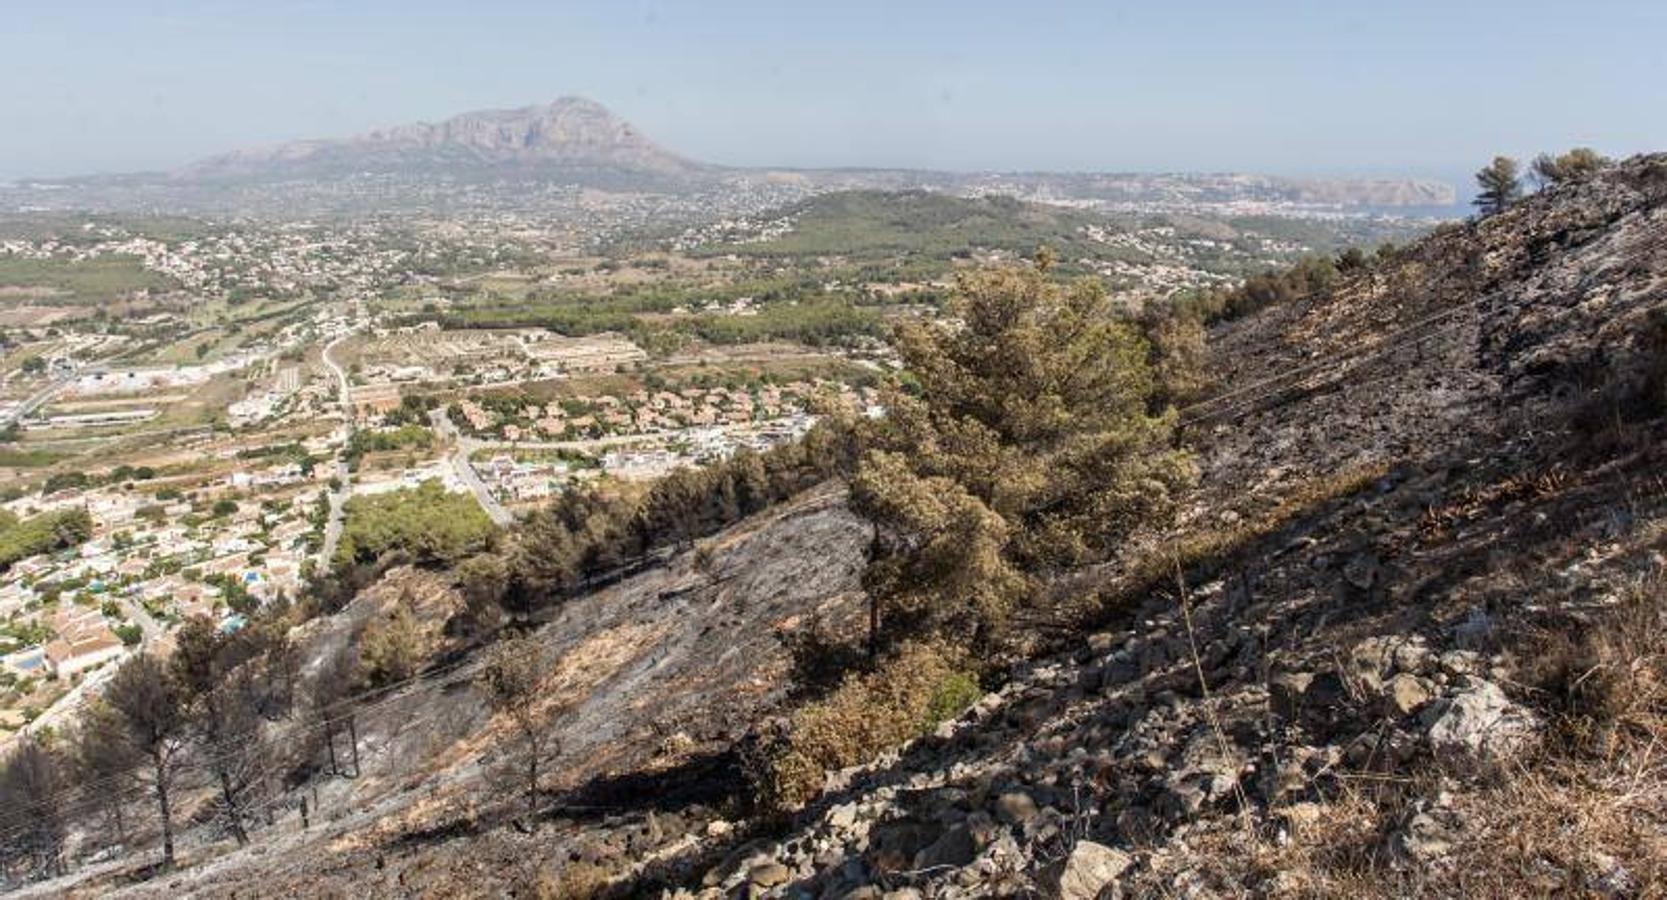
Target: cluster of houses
[149, 565]
[652, 412]
[698, 446]
[524, 481]
[425, 353]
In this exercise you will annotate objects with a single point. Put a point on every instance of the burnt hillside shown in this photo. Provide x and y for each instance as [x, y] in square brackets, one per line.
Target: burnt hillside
[1413, 648]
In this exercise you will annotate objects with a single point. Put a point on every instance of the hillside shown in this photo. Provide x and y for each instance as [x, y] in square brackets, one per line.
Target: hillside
[878, 223]
[1406, 639]
[653, 682]
[928, 229]
[1413, 645]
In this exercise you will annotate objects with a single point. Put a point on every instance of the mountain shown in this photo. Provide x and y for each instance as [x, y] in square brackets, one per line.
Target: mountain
[529, 159]
[568, 137]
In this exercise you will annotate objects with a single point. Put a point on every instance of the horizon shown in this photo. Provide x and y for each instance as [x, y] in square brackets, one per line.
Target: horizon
[967, 89]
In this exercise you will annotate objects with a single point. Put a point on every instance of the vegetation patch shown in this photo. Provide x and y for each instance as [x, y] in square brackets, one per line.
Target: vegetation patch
[906, 696]
[425, 524]
[43, 534]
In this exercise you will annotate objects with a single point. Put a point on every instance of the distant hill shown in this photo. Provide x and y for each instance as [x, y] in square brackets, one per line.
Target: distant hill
[872, 222]
[570, 137]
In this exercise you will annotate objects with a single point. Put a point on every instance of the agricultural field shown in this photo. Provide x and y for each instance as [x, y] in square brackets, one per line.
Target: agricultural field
[77, 281]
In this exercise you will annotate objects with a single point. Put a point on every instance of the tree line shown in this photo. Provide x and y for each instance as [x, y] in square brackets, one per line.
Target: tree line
[1500, 181]
[561, 548]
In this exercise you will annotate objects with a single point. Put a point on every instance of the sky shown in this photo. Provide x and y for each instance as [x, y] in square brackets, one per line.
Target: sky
[1413, 87]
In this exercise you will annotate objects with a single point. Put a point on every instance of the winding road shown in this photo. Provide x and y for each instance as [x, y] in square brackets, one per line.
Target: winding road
[461, 448]
[338, 497]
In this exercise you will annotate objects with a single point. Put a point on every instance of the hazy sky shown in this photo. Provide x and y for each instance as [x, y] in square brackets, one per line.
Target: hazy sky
[1411, 86]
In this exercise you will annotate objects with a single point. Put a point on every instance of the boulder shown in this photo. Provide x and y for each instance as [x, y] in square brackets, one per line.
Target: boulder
[1085, 873]
[1285, 692]
[1424, 839]
[955, 848]
[1479, 727]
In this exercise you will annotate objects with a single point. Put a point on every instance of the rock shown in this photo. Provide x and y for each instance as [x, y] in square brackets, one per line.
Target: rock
[1181, 800]
[1362, 570]
[1609, 878]
[1424, 838]
[769, 875]
[1285, 692]
[1480, 726]
[1015, 808]
[1085, 873]
[1406, 694]
[1460, 662]
[983, 828]
[955, 848]
[843, 816]
[892, 845]
[1300, 817]
[1326, 691]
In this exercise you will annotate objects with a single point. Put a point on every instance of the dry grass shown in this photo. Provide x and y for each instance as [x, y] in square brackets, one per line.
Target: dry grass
[1147, 570]
[1586, 816]
[578, 880]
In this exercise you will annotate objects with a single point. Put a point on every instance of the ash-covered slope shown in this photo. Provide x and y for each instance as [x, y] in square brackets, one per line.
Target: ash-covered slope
[1433, 514]
[652, 681]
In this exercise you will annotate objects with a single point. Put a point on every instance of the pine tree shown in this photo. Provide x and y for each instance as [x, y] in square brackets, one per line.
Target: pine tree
[146, 705]
[512, 680]
[1029, 449]
[1500, 185]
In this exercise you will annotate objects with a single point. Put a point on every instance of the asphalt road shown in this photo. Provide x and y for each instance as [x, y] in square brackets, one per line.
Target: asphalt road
[338, 497]
[462, 448]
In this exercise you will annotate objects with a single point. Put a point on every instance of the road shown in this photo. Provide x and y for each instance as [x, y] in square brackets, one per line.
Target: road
[35, 401]
[149, 629]
[461, 449]
[338, 497]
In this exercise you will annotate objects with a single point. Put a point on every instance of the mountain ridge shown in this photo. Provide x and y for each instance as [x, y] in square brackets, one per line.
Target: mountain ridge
[578, 140]
[568, 132]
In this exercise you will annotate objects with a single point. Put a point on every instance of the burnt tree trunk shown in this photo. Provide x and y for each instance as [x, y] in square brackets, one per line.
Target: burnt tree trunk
[159, 765]
[233, 813]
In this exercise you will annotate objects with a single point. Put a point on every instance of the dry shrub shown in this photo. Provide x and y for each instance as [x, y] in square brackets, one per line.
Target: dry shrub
[392, 646]
[1332, 851]
[577, 880]
[1609, 684]
[908, 695]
